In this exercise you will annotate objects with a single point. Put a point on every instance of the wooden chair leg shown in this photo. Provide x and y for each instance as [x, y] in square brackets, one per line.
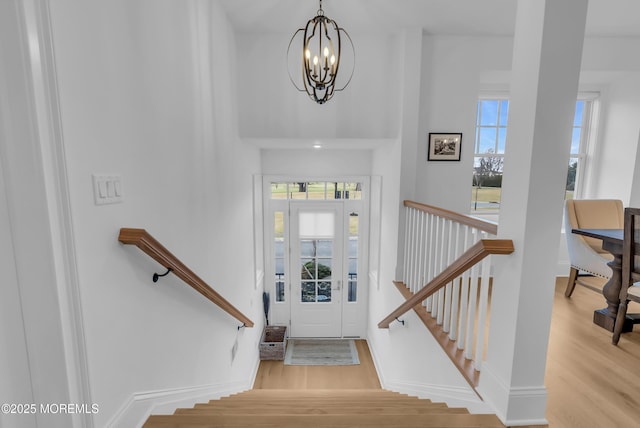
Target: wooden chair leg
[620, 318]
[571, 285]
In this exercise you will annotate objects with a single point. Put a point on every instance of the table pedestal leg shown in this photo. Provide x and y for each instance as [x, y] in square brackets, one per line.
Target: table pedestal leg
[606, 318]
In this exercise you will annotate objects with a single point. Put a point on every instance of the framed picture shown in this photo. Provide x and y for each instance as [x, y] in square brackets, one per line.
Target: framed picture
[444, 146]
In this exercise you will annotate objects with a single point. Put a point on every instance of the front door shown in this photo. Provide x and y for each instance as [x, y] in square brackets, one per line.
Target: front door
[316, 236]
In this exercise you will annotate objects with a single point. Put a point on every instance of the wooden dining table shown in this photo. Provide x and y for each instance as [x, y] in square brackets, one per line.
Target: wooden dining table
[612, 242]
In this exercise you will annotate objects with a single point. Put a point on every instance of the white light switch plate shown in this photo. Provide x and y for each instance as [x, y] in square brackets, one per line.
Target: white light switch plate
[107, 189]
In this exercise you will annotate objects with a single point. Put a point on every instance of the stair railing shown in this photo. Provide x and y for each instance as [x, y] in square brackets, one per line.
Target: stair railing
[447, 279]
[149, 245]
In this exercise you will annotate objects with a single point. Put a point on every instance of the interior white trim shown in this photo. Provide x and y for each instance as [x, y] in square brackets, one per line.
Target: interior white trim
[453, 396]
[135, 411]
[520, 402]
[50, 133]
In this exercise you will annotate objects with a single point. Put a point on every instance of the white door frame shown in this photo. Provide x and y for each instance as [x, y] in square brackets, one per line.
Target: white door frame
[277, 270]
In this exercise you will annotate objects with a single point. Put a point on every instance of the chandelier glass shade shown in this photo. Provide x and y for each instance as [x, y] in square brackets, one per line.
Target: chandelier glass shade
[320, 43]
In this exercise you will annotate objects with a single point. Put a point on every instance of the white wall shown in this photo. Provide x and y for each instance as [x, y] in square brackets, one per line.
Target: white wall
[316, 163]
[272, 107]
[454, 71]
[616, 154]
[141, 98]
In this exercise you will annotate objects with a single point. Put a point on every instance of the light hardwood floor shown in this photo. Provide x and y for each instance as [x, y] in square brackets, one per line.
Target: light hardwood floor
[275, 375]
[590, 382]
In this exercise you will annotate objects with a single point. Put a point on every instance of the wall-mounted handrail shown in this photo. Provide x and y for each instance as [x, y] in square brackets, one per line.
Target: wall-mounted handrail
[466, 220]
[469, 258]
[148, 244]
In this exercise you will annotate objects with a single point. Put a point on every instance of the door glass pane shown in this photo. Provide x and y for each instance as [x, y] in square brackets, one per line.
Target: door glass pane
[308, 292]
[307, 247]
[324, 292]
[308, 270]
[278, 251]
[324, 268]
[323, 247]
[354, 226]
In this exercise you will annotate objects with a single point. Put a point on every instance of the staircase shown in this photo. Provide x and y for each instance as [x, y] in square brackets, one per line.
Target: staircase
[321, 408]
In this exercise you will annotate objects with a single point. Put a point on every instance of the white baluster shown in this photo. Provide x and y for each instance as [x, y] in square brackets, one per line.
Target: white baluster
[430, 258]
[405, 267]
[455, 287]
[418, 252]
[451, 247]
[464, 294]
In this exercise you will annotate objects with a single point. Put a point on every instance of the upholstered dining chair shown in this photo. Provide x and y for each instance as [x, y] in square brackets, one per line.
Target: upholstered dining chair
[586, 254]
[630, 290]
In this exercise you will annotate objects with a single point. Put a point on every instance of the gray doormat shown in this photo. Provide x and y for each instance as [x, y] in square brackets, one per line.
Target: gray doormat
[321, 352]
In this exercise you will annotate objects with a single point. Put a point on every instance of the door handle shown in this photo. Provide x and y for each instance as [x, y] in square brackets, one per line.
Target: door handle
[339, 283]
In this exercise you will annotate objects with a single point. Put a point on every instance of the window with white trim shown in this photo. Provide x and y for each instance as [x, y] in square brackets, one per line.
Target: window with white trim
[490, 142]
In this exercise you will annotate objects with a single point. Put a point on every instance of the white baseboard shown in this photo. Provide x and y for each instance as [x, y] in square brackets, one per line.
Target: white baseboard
[137, 409]
[141, 405]
[452, 396]
[514, 406]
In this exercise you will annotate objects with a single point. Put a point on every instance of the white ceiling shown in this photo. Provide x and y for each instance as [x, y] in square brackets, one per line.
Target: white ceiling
[607, 18]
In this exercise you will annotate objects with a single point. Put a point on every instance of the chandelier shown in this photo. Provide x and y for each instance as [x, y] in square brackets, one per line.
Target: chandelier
[320, 43]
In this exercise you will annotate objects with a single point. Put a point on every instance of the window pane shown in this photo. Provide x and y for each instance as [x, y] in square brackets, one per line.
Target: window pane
[352, 292]
[502, 140]
[489, 112]
[307, 248]
[504, 112]
[278, 251]
[487, 140]
[577, 119]
[333, 190]
[278, 190]
[308, 291]
[315, 190]
[324, 292]
[297, 190]
[575, 140]
[324, 268]
[280, 291]
[572, 173]
[352, 191]
[354, 226]
[323, 247]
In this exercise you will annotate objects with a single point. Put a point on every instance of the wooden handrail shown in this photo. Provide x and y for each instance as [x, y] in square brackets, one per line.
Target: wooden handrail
[148, 244]
[473, 255]
[477, 223]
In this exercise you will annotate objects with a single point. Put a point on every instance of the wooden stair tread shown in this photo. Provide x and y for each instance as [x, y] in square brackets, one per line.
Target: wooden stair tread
[360, 410]
[317, 403]
[436, 420]
[322, 409]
